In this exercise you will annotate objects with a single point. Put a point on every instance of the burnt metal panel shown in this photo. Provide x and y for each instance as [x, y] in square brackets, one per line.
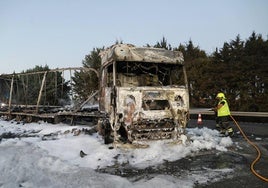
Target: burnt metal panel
[127, 52]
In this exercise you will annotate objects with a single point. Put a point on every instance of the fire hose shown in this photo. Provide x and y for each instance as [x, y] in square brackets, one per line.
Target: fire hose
[256, 148]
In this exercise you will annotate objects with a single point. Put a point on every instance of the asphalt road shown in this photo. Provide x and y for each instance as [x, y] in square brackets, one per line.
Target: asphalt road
[241, 155]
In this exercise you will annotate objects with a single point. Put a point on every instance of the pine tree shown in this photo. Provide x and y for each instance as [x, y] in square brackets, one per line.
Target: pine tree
[86, 82]
[163, 44]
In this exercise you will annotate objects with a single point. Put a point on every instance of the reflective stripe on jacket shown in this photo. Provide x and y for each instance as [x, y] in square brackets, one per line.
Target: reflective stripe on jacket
[224, 110]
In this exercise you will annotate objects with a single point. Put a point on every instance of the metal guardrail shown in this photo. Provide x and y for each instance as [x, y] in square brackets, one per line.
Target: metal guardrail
[235, 113]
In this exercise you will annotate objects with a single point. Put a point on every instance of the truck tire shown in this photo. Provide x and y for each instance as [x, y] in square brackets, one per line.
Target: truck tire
[107, 132]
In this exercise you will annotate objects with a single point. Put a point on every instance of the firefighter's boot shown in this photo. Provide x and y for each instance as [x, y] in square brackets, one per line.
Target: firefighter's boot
[218, 127]
[229, 132]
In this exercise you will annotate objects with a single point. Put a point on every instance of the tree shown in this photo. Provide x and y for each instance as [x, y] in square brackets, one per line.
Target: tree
[163, 44]
[86, 82]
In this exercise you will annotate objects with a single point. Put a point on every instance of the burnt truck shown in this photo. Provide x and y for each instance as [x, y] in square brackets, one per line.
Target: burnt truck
[143, 93]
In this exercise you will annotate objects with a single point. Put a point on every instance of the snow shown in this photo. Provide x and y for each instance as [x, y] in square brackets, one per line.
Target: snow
[49, 157]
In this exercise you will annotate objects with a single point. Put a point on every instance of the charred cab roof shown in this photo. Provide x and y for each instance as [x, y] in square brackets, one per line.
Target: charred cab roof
[128, 52]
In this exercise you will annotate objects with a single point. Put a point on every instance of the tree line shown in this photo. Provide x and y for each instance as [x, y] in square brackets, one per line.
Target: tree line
[239, 69]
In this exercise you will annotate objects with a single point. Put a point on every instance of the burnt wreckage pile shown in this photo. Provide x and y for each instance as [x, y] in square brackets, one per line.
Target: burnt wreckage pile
[24, 97]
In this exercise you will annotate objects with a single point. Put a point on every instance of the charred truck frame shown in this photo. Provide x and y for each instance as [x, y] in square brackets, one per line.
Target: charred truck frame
[144, 94]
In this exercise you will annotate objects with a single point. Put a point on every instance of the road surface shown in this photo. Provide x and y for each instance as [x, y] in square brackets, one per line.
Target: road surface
[240, 156]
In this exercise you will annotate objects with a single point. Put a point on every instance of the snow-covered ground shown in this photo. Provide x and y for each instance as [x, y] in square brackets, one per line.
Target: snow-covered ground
[47, 155]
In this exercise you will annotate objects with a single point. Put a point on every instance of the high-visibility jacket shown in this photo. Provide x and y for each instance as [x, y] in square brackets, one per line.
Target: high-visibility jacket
[224, 110]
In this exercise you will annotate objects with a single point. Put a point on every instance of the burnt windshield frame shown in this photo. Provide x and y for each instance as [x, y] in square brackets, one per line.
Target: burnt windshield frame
[150, 74]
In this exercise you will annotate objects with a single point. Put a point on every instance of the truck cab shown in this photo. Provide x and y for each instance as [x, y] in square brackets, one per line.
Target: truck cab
[143, 94]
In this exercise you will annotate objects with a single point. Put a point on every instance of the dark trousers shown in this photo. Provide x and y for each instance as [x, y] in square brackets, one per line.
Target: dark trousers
[223, 122]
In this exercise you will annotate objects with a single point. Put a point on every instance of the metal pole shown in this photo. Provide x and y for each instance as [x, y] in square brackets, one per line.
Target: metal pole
[185, 77]
[10, 95]
[56, 85]
[62, 82]
[114, 73]
[40, 92]
[71, 82]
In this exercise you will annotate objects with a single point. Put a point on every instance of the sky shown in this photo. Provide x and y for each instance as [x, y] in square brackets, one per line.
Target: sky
[47, 155]
[61, 33]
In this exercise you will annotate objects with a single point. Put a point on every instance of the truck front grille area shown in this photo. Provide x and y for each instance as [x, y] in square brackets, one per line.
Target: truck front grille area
[152, 129]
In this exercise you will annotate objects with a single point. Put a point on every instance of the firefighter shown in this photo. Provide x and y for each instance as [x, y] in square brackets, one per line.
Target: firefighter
[223, 112]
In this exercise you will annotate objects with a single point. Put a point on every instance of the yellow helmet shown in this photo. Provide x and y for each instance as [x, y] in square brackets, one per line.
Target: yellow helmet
[220, 95]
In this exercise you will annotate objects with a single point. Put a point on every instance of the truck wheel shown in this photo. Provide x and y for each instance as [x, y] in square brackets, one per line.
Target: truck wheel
[106, 139]
[29, 119]
[18, 118]
[107, 132]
